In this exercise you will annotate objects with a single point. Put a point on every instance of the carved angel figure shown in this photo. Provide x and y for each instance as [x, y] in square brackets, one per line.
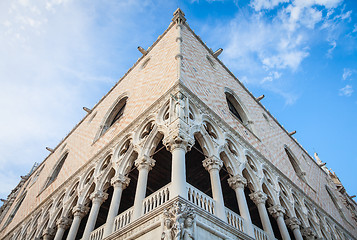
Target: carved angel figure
[187, 232]
[167, 234]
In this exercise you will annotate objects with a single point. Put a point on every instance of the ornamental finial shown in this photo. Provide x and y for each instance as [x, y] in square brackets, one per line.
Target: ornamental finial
[179, 17]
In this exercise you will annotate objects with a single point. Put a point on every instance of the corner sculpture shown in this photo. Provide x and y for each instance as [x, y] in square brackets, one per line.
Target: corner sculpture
[178, 223]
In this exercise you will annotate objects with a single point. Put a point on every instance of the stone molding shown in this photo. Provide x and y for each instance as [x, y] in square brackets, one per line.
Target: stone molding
[237, 181]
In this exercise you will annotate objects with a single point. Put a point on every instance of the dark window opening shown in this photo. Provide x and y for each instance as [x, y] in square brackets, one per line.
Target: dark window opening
[160, 174]
[233, 109]
[128, 195]
[274, 225]
[83, 224]
[229, 195]
[196, 174]
[118, 115]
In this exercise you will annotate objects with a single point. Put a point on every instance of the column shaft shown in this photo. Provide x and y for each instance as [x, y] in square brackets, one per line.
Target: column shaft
[264, 218]
[93, 214]
[244, 211]
[140, 192]
[282, 228]
[297, 234]
[74, 228]
[113, 210]
[59, 234]
[217, 194]
[178, 173]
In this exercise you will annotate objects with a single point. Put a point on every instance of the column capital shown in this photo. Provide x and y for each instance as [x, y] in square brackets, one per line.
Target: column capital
[120, 181]
[212, 163]
[49, 233]
[174, 141]
[98, 196]
[308, 233]
[145, 162]
[64, 223]
[80, 210]
[258, 197]
[237, 181]
[293, 223]
[276, 211]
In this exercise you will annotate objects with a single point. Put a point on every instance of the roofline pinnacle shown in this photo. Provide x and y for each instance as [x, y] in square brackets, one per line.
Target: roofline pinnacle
[179, 17]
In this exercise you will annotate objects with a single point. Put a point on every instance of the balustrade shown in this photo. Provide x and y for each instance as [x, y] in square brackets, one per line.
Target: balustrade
[234, 219]
[200, 199]
[156, 199]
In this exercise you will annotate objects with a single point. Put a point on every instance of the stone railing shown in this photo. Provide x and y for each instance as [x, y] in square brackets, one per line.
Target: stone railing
[234, 219]
[260, 234]
[156, 199]
[97, 234]
[200, 199]
[123, 219]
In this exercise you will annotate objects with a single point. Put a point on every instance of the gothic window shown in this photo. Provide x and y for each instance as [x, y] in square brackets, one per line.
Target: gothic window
[294, 162]
[34, 179]
[55, 171]
[115, 115]
[14, 211]
[236, 109]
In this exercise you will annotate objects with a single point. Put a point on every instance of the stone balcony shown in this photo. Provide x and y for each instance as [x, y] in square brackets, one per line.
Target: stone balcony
[151, 224]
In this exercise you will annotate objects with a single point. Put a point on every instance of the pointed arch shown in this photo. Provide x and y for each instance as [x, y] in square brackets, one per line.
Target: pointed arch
[295, 163]
[55, 171]
[236, 107]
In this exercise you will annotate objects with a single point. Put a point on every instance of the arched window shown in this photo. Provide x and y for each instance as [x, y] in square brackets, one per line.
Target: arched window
[14, 211]
[115, 115]
[236, 108]
[56, 170]
[294, 162]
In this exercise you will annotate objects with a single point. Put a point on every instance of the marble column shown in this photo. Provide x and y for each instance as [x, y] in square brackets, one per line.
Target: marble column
[62, 225]
[213, 165]
[79, 212]
[97, 197]
[144, 165]
[119, 182]
[259, 198]
[237, 183]
[48, 234]
[294, 224]
[277, 211]
[308, 233]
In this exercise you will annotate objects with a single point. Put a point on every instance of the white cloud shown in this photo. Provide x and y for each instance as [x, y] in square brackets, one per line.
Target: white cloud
[347, 73]
[346, 91]
[266, 4]
[354, 28]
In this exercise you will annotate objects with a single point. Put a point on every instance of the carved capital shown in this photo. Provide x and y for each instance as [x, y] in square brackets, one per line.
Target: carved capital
[49, 233]
[308, 233]
[276, 211]
[120, 181]
[80, 210]
[64, 223]
[178, 140]
[237, 181]
[98, 197]
[145, 162]
[258, 197]
[212, 163]
[293, 223]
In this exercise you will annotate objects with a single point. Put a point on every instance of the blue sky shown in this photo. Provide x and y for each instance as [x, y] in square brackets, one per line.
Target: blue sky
[60, 55]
